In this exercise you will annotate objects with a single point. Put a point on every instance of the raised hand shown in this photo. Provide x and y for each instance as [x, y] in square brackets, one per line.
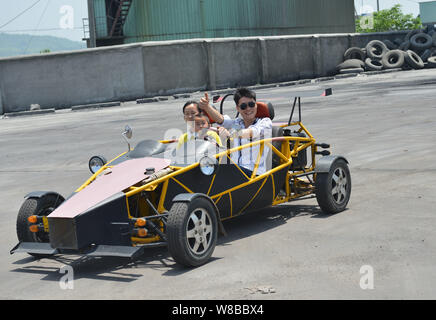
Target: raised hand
[204, 102]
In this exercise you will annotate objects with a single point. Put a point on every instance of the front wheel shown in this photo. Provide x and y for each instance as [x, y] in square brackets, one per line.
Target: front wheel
[192, 231]
[333, 188]
[40, 207]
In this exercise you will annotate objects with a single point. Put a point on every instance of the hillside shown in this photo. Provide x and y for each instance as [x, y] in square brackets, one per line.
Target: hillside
[16, 44]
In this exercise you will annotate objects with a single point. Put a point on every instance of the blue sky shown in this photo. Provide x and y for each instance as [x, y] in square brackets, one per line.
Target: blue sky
[44, 18]
[408, 6]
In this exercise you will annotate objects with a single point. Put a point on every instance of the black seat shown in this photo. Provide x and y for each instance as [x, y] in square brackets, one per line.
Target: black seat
[276, 132]
[273, 160]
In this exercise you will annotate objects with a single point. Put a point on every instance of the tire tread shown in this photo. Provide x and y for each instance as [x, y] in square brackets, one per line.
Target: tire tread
[323, 192]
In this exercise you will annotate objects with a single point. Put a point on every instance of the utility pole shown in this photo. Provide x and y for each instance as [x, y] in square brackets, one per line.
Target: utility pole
[378, 6]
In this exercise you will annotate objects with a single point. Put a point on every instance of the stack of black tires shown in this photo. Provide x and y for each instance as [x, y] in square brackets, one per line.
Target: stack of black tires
[416, 51]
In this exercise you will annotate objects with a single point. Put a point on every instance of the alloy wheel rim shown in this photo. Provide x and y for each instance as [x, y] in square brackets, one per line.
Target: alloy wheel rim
[339, 185]
[199, 231]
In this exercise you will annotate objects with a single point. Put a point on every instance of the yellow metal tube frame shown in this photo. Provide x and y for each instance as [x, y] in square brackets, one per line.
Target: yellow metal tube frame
[285, 154]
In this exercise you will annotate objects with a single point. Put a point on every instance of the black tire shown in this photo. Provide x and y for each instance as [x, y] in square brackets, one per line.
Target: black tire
[413, 60]
[406, 66]
[421, 42]
[428, 28]
[192, 244]
[354, 53]
[333, 189]
[398, 41]
[373, 64]
[434, 39]
[431, 62]
[351, 70]
[390, 45]
[375, 49]
[35, 206]
[393, 59]
[426, 54]
[350, 63]
[404, 46]
[411, 33]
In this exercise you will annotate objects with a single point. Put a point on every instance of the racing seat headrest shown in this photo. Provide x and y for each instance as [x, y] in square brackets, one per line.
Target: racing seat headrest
[264, 110]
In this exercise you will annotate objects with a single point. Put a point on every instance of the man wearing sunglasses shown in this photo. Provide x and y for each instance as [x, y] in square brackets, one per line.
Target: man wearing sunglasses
[243, 130]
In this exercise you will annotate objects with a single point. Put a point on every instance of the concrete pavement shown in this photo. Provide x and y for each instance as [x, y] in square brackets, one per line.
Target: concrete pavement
[385, 125]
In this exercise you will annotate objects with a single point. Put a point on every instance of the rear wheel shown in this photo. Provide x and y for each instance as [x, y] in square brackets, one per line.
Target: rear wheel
[40, 207]
[192, 231]
[333, 188]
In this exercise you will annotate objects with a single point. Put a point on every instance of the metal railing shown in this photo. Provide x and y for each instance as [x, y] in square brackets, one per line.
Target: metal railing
[85, 23]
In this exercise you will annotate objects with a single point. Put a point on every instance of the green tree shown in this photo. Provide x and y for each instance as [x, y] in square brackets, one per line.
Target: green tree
[392, 19]
[45, 51]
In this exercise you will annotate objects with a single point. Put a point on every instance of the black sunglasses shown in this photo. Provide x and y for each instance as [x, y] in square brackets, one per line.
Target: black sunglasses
[251, 104]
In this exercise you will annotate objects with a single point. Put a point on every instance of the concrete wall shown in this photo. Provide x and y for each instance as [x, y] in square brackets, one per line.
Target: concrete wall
[65, 79]
[289, 58]
[234, 62]
[1, 102]
[128, 72]
[173, 66]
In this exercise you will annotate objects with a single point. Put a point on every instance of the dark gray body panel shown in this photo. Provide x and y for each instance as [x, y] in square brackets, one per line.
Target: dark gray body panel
[324, 164]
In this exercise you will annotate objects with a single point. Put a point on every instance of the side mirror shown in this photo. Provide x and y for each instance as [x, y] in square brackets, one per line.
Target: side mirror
[127, 134]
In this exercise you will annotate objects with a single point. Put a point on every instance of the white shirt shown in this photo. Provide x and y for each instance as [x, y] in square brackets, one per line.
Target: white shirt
[262, 129]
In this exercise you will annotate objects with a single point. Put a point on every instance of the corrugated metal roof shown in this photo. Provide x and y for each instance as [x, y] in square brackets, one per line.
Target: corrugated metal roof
[100, 18]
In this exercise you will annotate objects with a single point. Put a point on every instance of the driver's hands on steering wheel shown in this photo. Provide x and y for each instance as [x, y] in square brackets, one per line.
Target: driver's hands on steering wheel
[223, 132]
[232, 133]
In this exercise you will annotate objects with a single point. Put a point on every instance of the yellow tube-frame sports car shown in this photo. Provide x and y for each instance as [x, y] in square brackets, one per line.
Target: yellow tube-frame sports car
[158, 194]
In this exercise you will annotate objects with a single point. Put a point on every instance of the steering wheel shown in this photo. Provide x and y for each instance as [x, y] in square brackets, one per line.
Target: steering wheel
[222, 104]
